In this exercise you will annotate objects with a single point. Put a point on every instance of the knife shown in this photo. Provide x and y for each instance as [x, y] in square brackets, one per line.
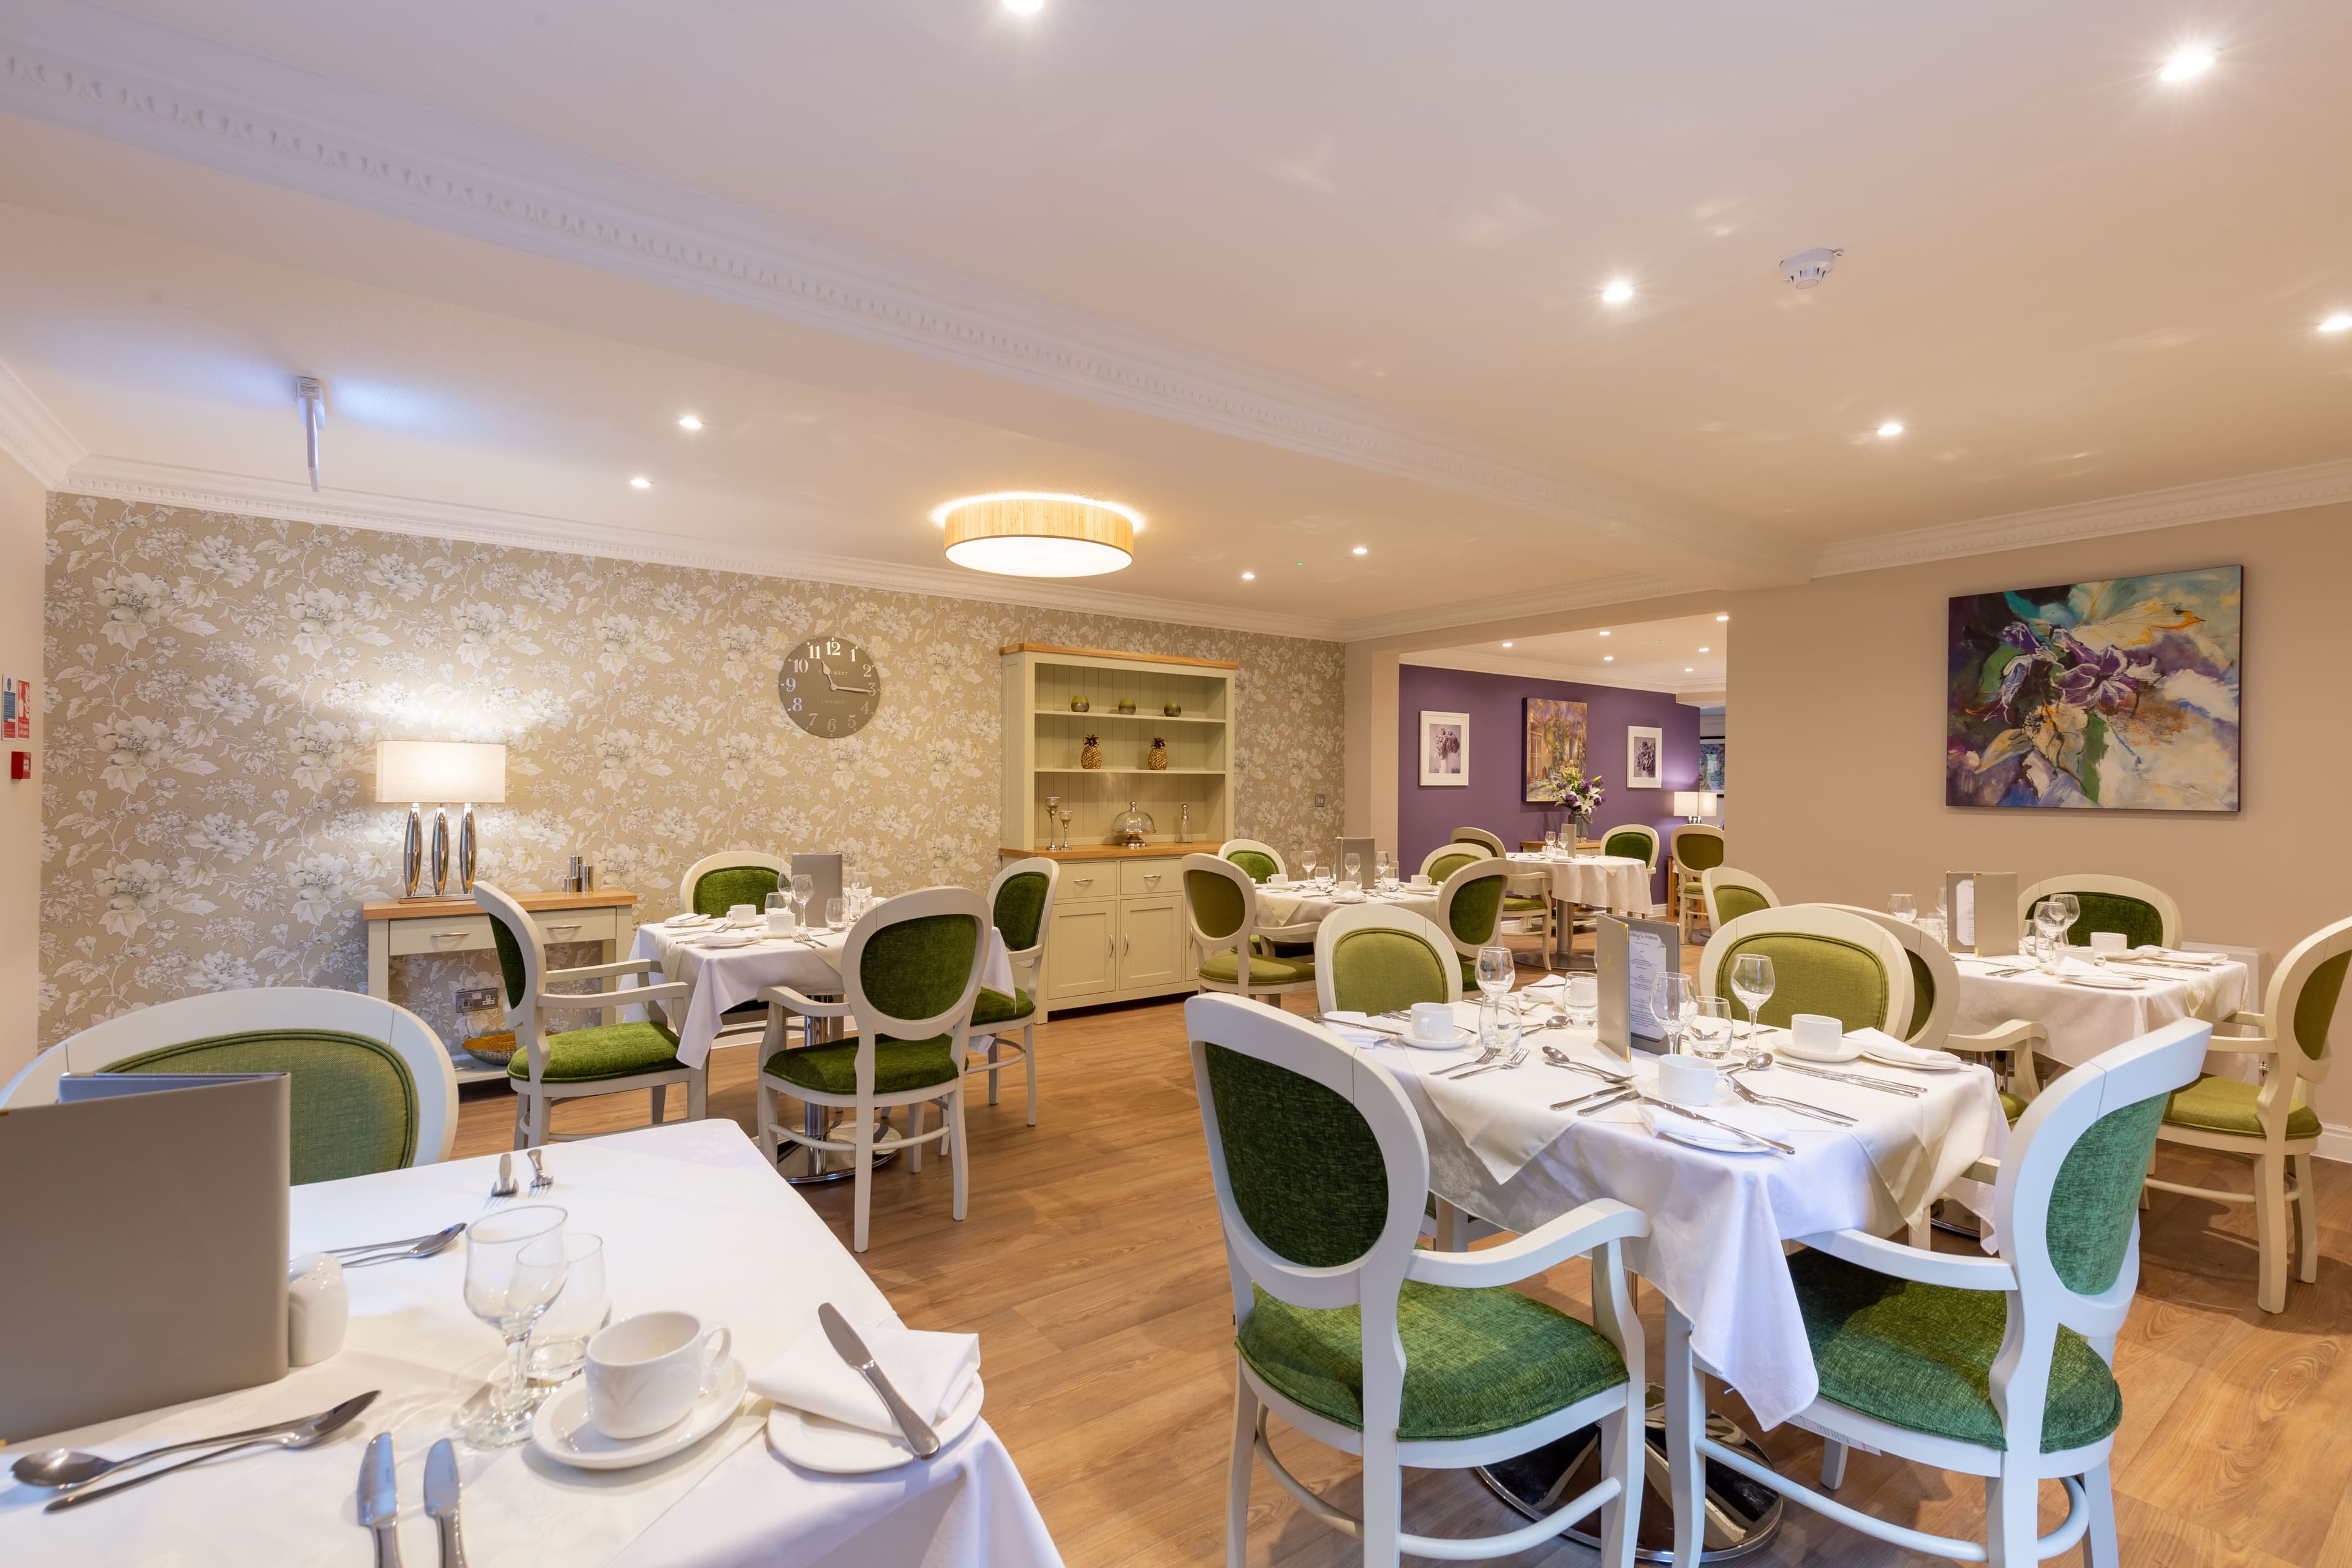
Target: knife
[851, 1349]
[441, 1501]
[380, 1499]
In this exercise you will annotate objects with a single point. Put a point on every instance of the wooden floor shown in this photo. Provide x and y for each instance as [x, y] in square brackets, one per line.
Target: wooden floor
[1091, 1268]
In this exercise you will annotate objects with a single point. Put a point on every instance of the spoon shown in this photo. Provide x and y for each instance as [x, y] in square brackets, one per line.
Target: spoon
[437, 1240]
[64, 1469]
[441, 1241]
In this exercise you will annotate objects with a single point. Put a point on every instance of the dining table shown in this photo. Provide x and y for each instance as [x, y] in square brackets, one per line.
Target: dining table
[692, 1217]
[1311, 902]
[2089, 1006]
[1618, 883]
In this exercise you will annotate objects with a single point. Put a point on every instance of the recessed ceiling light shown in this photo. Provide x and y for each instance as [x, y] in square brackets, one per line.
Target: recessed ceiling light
[1722, 617]
[1604, 634]
[641, 483]
[689, 421]
[1617, 293]
[1707, 650]
[1024, 7]
[1892, 427]
[1687, 670]
[2182, 64]
[1506, 645]
[1249, 576]
[1608, 658]
[1361, 550]
[2339, 323]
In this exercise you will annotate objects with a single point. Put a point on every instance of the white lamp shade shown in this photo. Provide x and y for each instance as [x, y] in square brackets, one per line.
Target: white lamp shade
[1708, 804]
[1686, 803]
[440, 772]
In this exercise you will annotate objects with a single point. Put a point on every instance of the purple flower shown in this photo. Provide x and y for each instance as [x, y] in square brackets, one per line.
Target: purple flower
[2021, 636]
[2102, 679]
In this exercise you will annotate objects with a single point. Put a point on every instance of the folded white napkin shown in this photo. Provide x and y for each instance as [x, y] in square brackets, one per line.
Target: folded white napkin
[1549, 985]
[1756, 1118]
[1339, 1021]
[688, 920]
[931, 1372]
[2208, 959]
[1888, 1048]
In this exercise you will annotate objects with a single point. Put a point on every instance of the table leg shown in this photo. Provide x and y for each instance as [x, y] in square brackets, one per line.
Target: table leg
[379, 959]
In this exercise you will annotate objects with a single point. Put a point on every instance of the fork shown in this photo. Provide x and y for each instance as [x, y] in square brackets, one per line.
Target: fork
[504, 1187]
[1517, 1058]
[540, 1180]
[1561, 1058]
[1751, 1096]
[1487, 1054]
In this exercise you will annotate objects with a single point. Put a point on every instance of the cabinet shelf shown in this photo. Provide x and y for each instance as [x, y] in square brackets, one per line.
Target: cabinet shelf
[1129, 717]
[1155, 773]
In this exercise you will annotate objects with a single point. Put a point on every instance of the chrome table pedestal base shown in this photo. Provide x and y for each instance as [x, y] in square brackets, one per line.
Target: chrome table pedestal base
[1741, 1516]
[806, 1167]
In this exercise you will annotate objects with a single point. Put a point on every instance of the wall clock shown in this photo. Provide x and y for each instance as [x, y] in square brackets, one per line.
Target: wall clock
[829, 686]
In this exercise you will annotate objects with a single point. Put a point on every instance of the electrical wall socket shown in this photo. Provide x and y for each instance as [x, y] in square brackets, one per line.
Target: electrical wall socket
[1318, 803]
[479, 1000]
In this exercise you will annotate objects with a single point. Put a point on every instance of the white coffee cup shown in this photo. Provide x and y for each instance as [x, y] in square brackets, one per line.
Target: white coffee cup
[645, 1373]
[1817, 1033]
[1433, 1020]
[1420, 880]
[2108, 943]
[743, 914]
[318, 1308]
[1277, 880]
[1686, 1080]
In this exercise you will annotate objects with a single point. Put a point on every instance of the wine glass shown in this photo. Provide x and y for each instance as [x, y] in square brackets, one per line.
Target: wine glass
[778, 901]
[1902, 907]
[1380, 869]
[837, 914]
[1551, 840]
[1751, 982]
[515, 1262]
[1672, 1003]
[1053, 804]
[1710, 1026]
[1495, 972]
[559, 1344]
[1354, 866]
[1306, 863]
[803, 890]
[2070, 910]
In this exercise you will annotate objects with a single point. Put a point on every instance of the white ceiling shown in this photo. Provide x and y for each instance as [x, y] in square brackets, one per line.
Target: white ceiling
[1686, 654]
[1287, 278]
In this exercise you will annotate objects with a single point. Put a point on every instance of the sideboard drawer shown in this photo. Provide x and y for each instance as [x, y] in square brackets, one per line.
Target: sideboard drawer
[471, 933]
[1083, 882]
[1150, 878]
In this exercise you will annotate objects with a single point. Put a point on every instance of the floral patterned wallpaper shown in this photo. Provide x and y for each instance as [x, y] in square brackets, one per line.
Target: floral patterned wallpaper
[218, 682]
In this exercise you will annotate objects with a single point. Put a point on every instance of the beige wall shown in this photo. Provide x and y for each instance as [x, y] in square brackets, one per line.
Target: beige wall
[1836, 742]
[20, 801]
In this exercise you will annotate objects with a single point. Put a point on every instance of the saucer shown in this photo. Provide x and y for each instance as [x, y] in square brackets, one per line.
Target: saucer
[1785, 1044]
[1451, 1043]
[562, 1432]
[814, 1443]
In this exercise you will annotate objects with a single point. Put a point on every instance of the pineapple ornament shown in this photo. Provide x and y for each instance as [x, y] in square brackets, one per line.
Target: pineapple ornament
[1156, 758]
[1089, 753]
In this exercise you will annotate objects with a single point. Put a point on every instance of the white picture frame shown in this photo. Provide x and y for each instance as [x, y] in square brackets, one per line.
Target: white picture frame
[1445, 749]
[1645, 751]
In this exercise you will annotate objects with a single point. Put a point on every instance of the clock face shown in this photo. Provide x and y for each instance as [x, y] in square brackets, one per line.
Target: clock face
[829, 686]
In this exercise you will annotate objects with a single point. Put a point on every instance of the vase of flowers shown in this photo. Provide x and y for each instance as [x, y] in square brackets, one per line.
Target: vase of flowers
[1574, 791]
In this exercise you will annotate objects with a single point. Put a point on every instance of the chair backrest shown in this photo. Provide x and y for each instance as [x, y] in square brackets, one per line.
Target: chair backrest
[1021, 903]
[1696, 847]
[1447, 858]
[1731, 893]
[2146, 914]
[1636, 840]
[2301, 1003]
[1935, 978]
[522, 965]
[1470, 903]
[1493, 842]
[910, 971]
[1220, 909]
[716, 883]
[373, 1089]
[1260, 860]
[1825, 961]
[1373, 959]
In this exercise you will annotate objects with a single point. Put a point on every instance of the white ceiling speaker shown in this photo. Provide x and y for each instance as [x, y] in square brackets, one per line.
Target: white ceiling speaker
[1808, 268]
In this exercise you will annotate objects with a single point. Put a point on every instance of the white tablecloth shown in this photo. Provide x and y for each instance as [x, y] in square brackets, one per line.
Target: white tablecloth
[712, 1230]
[1312, 905]
[1718, 1221]
[1618, 883]
[729, 976]
[2083, 1022]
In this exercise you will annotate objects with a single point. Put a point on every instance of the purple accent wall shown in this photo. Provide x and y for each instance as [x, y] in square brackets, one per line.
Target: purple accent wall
[1428, 814]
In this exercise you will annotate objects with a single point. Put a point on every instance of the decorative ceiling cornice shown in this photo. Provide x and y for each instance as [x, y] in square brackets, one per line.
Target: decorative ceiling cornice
[2251, 495]
[1486, 611]
[186, 97]
[1532, 669]
[195, 490]
[31, 433]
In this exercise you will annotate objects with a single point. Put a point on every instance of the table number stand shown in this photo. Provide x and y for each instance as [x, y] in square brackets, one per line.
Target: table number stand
[1990, 898]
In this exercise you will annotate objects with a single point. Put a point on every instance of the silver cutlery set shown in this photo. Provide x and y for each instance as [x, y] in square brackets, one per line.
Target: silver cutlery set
[379, 1501]
[70, 1473]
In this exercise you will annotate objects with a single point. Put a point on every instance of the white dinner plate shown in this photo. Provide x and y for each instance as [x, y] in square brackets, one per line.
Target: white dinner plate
[562, 1432]
[1785, 1044]
[814, 1443]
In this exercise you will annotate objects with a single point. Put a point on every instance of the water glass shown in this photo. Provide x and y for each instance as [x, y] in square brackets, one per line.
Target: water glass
[1354, 867]
[1901, 907]
[803, 889]
[1673, 1000]
[559, 1344]
[1710, 1027]
[779, 902]
[1751, 982]
[1306, 863]
[1380, 869]
[837, 914]
[2070, 910]
[1582, 1003]
[515, 1264]
[1551, 840]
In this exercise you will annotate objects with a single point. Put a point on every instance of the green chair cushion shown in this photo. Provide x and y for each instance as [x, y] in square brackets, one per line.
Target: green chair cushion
[996, 1008]
[1258, 864]
[2137, 918]
[510, 966]
[1920, 1357]
[1524, 904]
[898, 1065]
[1305, 1172]
[1375, 971]
[2227, 1105]
[1813, 974]
[1476, 909]
[1632, 846]
[1477, 1361]
[1446, 864]
[918, 968]
[1698, 852]
[608, 1050]
[1216, 903]
[1731, 901]
[351, 1104]
[716, 892]
[1019, 907]
[2314, 1005]
[2011, 1107]
[1265, 969]
[1286, 949]
[2094, 1197]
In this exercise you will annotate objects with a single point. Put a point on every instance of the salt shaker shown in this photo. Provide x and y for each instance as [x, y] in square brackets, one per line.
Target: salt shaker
[318, 1308]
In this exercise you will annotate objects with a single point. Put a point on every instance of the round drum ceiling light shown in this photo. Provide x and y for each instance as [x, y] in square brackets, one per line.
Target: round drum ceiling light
[1032, 533]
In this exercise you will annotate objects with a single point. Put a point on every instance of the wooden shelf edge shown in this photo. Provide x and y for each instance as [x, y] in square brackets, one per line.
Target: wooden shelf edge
[442, 909]
[1010, 649]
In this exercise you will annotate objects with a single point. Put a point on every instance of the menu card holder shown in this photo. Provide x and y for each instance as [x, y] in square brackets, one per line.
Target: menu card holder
[1982, 912]
[825, 871]
[1627, 955]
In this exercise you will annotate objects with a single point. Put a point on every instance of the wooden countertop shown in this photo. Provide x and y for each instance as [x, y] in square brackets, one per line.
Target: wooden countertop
[441, 908]
[1112, 852]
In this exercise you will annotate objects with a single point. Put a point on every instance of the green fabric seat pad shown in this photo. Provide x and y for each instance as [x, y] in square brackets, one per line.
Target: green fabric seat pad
[1811, 974]
[1256, 862]
[1523, 904]
[1477, 1361]
[608, 1050]
[1217, 907]
[1265, 969]
[1021, 910]
[2215, 1104]
[1375, 971]
[898, 1065]
[1632, 846]
[1920, 1357]
[996, 1008]
[1476, 909]
[716, 892]
[351, 1104]
[2137, 918]
[1699, 851]
[1731, 901]
[1446, 864]
[2011, 1107]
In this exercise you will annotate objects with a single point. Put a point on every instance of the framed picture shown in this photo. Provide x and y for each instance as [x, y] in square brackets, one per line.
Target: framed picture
[1645, 749]
[2120, 694]
[1444, 747]
[1710, 764]
[1555, 745]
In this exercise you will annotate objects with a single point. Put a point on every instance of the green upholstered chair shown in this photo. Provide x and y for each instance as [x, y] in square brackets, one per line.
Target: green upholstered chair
[1375, 958]
[910, 975]
[2272, 1123]
[1996, 1367]
[1730, 893]
[1825, 961]
[1634, 840]
[2145, 915]
[373, 1089]
[1230, 951]
[1694, 849]
[1262, 861]
[578, 1064]
[1470, 910]
[1353, 1336]
[1491, 842]
[1021, 903]
[716, 883]
[1447, 858]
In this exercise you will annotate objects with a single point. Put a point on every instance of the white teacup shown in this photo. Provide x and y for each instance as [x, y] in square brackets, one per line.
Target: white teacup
[743, 914]
[1433, 1020]
[1817, 1033]
[645, 1373]
[1277, 880]
[1686, 1080]
[1420, 880]
[2108, 943]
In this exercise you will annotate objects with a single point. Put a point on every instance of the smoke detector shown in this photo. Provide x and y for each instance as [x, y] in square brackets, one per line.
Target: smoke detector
[1808, 268]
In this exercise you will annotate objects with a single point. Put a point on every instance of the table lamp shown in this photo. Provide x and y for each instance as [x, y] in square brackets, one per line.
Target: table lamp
[1698, 804]
[440, 772]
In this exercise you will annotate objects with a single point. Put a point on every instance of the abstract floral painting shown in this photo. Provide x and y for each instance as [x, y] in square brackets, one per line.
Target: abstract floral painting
[2121, 694]
[1555, 743]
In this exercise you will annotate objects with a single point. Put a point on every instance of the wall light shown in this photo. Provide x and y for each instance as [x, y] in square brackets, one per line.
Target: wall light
[690, 422]
[2182, 64]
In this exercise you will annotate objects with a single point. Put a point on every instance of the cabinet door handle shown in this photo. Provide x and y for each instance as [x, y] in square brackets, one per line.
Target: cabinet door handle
[445, 936]
[573, 926]
[1153, 876]
[1124, 944]
[1110, 947]
[1083, 882]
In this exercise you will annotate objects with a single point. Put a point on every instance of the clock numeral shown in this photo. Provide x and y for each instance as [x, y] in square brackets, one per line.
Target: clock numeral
[791, 684]
[832, 647]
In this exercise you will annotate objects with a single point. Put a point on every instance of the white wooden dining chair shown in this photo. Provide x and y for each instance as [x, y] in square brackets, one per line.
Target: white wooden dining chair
[910, 974]
[371, 1089]
[578, 1064]
[1730, 893]
[2146, 914]
[1374, 958]
[1230, 951]
[1936, 984]
[1350, 1334]
[1995, 1367]
[2272, 1123]
[716, 884]
[1693, 850]
[1826, 961]
[1493, 842]
[1021, 903]
[1260, 859]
